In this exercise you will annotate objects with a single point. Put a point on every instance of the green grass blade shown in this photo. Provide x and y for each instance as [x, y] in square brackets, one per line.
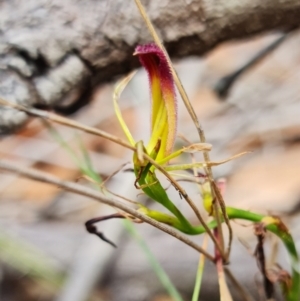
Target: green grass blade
[86, 167]
[89, 170]
[161, 274]
[85, 164]
[199, 275]
[29, 260]
[59, 139]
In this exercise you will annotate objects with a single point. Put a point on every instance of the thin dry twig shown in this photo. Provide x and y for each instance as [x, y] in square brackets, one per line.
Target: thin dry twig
[68, 122]
[194, 118]
[88, 192]
[226, 219]
[259, 253]
[183, 193]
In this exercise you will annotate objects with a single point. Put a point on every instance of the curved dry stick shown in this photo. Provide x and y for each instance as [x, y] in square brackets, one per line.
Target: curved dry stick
[91, 228]
[88, 192]
[224, 85]
[183, 194]
[68, 122]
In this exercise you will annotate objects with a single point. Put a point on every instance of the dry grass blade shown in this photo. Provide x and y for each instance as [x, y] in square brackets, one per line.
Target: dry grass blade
[227, 160]
[118, 90]
[67, 122]
[197, 147]
[176, 78]
[223, 209]
[188, 106]
[224, 291]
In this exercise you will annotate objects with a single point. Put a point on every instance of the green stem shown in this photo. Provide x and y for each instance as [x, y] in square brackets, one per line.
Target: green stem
[293, 294]
[199, 274]
[161, 274]
[152, 187]
[277, 228]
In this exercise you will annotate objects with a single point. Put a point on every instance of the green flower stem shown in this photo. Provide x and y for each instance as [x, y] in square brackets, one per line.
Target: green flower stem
[272, 224]
[293, 293]
[153, 188]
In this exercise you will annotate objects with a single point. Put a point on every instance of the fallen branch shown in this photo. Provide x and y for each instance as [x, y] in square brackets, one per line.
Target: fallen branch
[88, 192]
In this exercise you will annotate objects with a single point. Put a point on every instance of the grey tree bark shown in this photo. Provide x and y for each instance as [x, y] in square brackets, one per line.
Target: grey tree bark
[54, 52]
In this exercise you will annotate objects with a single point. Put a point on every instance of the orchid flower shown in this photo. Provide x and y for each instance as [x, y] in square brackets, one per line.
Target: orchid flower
[163, 109]
[163, 135]
[163, 128]
[160, 145]
[164, 103]
[160, 149]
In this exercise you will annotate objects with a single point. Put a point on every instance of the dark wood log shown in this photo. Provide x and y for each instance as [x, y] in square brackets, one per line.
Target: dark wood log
[54, 52]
